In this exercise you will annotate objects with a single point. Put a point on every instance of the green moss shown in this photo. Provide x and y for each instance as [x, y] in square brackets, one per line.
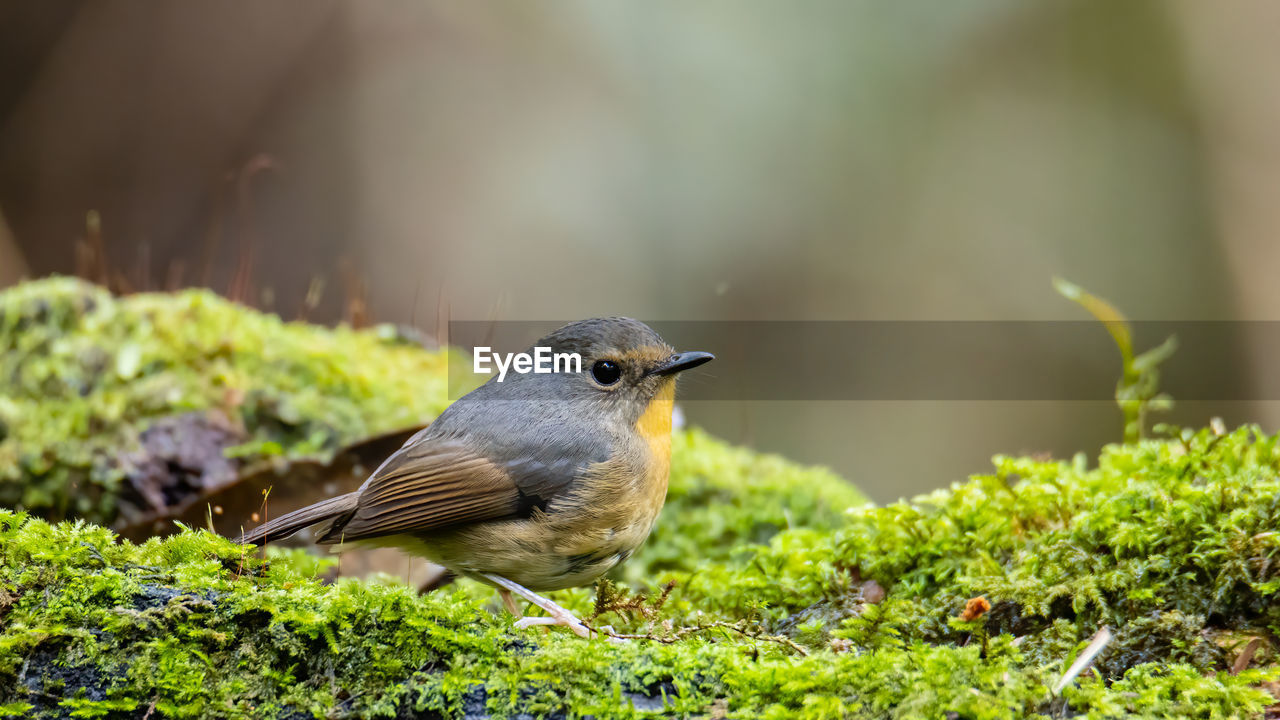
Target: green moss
[1167, 542]
[85, 374]
[1186, 526]
[200, 627]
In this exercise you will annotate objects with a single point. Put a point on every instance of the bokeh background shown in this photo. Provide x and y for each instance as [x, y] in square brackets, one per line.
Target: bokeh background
[404, 160]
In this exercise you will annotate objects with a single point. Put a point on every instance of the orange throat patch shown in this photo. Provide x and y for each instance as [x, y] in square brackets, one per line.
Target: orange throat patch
[655, 424]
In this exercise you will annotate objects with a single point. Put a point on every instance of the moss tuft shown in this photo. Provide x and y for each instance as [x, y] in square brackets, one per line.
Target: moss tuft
[87, 374]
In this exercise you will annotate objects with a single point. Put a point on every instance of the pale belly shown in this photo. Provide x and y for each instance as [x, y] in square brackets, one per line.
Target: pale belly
[570, 546]
[536, 553]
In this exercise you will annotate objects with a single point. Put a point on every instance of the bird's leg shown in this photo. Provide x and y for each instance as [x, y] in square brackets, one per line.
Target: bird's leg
[508, 601]
[559, 616]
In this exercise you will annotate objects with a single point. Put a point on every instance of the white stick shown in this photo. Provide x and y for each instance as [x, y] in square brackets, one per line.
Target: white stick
[1099, 641]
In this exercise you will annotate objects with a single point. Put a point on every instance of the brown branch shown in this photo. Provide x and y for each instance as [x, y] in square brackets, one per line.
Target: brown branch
[675, 635]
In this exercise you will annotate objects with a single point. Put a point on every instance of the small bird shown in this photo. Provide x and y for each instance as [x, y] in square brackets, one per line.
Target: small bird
[538, 482]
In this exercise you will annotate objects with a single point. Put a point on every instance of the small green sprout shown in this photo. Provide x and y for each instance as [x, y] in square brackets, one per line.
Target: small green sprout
[1138, 390]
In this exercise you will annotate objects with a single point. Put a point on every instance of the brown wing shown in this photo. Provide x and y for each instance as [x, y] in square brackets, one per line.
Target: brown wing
[425, 486]
[432, 483]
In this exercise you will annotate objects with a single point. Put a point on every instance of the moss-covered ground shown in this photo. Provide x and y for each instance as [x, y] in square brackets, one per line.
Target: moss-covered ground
[793, 599]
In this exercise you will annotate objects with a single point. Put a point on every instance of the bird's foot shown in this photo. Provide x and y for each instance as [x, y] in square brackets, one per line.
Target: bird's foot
[565, 620]
[557, 616]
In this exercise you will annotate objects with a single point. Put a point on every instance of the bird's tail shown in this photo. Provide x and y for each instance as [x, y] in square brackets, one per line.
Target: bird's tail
[286, 525]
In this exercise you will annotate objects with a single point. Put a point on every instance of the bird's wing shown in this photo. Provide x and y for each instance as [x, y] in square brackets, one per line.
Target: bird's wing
[434, 484]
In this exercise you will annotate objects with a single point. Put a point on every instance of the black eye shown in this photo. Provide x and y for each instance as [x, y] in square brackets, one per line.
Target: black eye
[606, 372]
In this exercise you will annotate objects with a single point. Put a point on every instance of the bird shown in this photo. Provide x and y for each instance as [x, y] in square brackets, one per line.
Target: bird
[534, 482]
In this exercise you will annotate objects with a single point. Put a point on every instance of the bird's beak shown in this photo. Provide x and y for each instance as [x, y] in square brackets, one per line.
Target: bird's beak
[680, 361]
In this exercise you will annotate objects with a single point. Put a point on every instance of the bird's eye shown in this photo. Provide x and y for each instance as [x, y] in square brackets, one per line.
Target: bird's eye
[606, 372]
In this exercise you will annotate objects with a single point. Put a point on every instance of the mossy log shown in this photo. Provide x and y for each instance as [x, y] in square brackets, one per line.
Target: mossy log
[792, 597]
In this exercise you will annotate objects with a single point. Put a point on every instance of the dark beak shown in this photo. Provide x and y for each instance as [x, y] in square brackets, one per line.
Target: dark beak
[681, 361]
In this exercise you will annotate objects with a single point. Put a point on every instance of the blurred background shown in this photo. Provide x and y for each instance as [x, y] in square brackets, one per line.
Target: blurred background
[672, 161]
